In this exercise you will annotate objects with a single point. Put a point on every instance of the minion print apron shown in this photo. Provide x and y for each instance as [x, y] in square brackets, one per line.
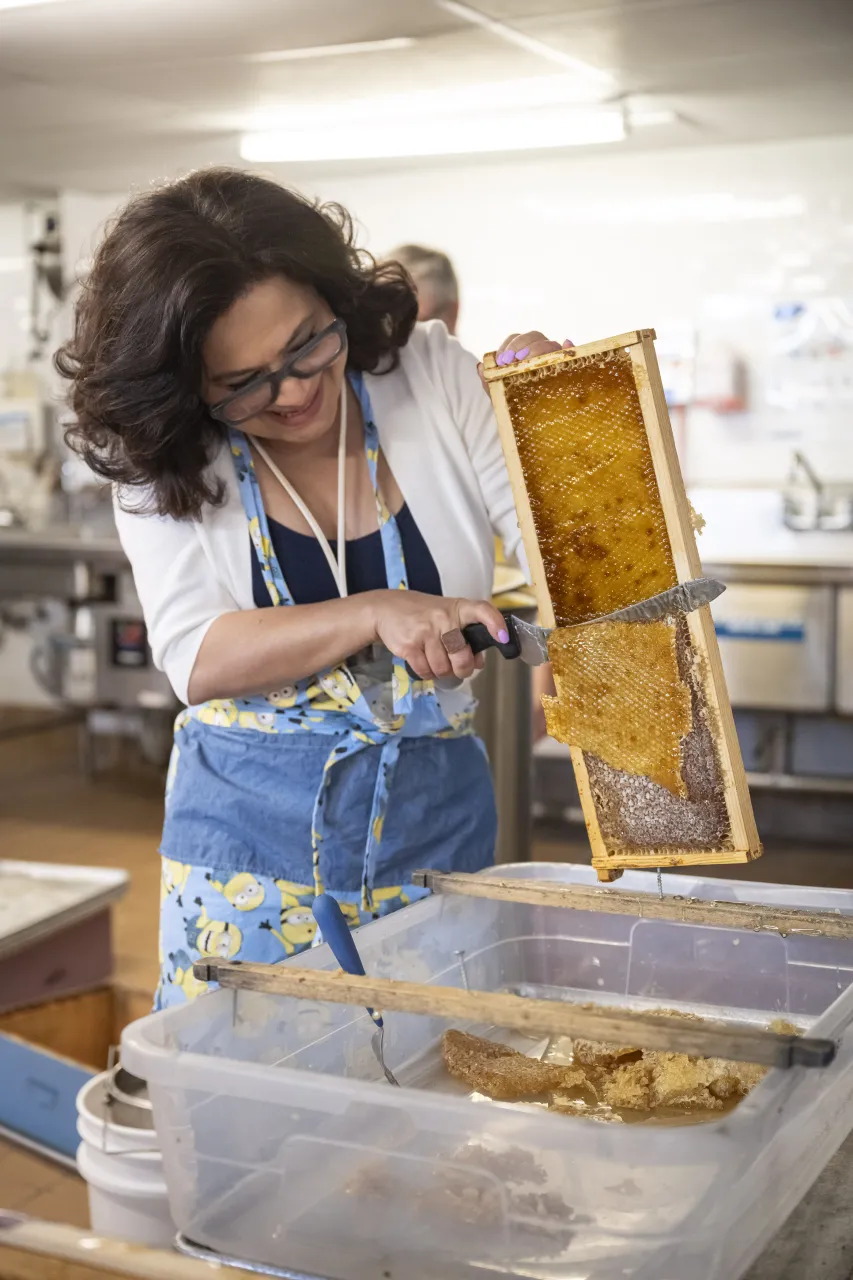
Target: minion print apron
[345, 782]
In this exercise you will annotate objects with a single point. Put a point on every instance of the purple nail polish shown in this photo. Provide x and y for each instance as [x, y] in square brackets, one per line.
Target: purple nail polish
[501, 360]
[525, 351]
[503, 636]
[510, 355]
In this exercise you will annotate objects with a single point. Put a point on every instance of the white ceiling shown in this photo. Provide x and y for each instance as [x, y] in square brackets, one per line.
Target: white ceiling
[100, 94]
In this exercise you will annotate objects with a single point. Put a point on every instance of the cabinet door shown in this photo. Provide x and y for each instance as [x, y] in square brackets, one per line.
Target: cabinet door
[776, 645]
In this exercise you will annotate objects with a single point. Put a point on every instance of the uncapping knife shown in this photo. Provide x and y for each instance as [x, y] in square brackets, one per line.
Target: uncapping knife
[530, 643]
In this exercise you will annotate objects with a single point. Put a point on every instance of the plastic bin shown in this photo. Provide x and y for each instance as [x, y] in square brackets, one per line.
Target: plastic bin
[282, 1144]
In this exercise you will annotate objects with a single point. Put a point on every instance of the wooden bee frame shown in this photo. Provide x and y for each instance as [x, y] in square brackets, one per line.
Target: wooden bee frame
[742, 843]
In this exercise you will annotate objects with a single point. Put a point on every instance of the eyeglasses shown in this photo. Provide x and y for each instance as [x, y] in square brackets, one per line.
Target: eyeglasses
[259, 393]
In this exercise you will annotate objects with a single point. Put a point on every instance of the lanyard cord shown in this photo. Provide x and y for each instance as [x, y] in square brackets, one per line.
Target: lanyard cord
[337, 563]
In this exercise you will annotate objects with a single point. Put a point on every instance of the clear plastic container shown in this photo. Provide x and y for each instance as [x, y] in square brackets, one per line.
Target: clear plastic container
[283, 1145]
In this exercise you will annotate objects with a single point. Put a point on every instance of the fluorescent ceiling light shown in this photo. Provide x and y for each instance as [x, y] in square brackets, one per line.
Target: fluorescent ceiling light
[324, 50]
[390, 138]
[498, 96]
[585, 70]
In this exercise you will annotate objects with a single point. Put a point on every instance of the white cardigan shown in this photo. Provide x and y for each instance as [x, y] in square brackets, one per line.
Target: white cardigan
[438, 433]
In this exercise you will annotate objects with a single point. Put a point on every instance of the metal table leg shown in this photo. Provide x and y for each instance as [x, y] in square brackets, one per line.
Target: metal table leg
[504, 723]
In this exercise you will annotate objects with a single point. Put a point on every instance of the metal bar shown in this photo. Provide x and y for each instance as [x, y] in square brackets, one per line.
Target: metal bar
[729, 1040]
[800, 782]
[724, 915]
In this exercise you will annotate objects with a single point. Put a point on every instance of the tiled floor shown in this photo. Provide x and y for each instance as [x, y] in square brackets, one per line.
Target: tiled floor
[49, 813]
[41, 1188]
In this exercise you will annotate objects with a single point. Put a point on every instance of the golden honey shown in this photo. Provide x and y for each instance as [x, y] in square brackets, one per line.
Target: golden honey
[591, 485]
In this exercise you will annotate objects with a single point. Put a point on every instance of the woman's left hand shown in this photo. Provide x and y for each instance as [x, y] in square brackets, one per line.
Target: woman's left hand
[523, 346]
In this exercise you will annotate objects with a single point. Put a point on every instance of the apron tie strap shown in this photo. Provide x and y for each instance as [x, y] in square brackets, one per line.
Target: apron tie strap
[384, 778]
[356, 740]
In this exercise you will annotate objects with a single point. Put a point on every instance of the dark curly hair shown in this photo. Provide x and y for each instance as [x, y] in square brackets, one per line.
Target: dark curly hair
[172, 262]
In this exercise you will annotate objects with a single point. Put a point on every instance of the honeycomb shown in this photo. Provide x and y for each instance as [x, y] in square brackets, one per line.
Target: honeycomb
[631, 698]
[635, 813]
[500, 1072]
[620, 697]
[591, 485]
[586, 1077]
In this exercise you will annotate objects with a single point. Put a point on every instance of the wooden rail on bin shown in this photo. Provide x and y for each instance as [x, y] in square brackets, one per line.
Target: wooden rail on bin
[732, 1041]
[724, 915]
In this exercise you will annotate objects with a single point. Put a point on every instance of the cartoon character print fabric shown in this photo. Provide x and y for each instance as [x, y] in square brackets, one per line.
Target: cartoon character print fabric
[243, 917]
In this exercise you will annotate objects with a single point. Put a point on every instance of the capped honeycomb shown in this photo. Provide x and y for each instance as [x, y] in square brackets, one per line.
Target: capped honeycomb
[620, 696]
[591, 484]
[637, 701]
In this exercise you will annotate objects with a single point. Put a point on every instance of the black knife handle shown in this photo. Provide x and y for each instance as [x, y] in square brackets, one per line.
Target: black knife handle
[479, 639]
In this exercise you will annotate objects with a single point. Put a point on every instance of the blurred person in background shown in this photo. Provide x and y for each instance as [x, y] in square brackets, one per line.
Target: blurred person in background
[308, 488]
[434, 280]
[437, 286]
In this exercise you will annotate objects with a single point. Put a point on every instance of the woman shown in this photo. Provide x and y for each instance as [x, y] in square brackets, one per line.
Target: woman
[307, 488]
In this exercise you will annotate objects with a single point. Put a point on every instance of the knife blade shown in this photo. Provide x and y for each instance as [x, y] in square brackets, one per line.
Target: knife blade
[530, 642]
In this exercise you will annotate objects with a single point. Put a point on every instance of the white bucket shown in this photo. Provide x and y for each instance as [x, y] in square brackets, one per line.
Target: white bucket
[122, 1166]
[124, 1206]
[98, 1121]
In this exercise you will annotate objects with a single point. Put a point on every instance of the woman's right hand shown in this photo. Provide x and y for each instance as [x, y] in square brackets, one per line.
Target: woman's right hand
[426, 631]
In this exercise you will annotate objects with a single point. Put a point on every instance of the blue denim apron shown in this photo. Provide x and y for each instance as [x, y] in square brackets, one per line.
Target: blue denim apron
[345, 782]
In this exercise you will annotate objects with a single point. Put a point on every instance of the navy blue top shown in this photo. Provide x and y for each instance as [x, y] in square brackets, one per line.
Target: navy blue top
[307, 573]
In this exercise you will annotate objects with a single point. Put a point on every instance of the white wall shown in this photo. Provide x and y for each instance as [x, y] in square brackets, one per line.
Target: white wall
[599, 246]
[694, 243]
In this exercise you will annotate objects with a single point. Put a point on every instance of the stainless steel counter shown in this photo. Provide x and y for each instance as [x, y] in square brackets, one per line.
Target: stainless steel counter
[60, 561]
[781, 572]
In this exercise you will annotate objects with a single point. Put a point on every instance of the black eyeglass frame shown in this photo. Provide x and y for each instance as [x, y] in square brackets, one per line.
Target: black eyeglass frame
[219, 411]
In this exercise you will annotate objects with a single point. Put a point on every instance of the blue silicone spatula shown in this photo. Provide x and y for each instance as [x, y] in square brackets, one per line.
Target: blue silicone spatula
[335, 930]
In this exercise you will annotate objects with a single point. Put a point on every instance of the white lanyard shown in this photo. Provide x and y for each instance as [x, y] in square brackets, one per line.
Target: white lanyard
[337, 563]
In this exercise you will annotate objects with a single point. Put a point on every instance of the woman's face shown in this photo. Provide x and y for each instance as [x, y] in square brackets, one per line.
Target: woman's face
[256, 335]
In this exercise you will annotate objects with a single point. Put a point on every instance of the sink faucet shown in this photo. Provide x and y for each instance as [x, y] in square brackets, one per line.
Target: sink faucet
[831, 507]
[802, 463]
[794, 514]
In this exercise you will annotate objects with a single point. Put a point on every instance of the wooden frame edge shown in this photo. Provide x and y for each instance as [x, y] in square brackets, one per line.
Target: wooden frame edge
[679, 522]
[494, 372]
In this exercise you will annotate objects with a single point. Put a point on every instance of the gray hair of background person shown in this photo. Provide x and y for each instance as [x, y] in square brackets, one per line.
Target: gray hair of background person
[435, 281]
